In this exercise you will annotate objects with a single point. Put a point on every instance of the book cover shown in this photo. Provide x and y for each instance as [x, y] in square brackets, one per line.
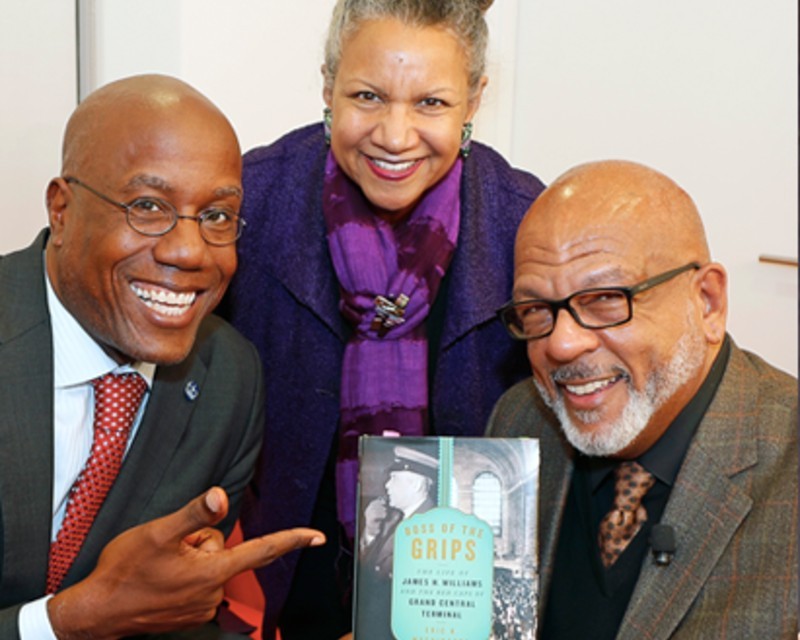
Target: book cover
[446, 539]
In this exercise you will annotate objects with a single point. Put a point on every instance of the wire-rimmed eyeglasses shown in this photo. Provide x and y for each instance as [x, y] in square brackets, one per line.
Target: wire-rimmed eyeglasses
[151, 216]
[597, 308]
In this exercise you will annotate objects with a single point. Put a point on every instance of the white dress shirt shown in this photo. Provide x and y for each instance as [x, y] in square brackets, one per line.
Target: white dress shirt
[77, 360]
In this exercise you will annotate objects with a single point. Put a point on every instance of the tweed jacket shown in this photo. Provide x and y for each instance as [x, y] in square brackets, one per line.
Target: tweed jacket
[733, 508]
[184, 445]
[285, 298]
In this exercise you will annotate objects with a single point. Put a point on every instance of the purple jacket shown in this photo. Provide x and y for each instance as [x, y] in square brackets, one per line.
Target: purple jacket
[285, 299]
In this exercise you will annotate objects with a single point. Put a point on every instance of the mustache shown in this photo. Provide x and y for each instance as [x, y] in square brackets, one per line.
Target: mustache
[584, 371]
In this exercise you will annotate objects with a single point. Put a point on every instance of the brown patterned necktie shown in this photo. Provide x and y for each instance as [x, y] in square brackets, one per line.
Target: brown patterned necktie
[619, 526]
[116, 401]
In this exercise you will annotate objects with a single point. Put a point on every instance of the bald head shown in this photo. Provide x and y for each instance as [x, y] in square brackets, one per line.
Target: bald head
[130, 105]
[647, 211]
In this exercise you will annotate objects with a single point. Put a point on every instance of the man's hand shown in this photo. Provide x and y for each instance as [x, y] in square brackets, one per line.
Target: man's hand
[374, 517]
[166, 574]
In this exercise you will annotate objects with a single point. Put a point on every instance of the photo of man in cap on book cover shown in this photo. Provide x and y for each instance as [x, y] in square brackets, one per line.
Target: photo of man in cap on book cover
[410, 484]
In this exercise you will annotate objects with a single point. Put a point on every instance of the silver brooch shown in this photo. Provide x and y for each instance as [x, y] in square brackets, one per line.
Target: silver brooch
[389, 312]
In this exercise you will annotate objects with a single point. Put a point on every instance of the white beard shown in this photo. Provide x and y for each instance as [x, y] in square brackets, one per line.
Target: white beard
[662, 384]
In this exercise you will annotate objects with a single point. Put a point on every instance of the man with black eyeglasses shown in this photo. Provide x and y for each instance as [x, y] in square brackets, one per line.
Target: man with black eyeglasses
[130, 418]
[669, 494]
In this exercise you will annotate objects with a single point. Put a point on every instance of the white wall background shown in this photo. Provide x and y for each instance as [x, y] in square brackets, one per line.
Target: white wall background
[38, 74]
[705, 91]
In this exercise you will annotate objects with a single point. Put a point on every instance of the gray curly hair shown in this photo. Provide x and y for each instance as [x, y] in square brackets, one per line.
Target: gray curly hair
[464, 18]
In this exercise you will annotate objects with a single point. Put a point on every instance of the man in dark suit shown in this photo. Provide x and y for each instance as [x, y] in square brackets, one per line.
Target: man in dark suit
[624, 315]
[140, 247]
[410, 481]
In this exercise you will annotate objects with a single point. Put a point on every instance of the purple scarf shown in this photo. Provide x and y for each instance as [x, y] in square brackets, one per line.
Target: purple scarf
[388, 276]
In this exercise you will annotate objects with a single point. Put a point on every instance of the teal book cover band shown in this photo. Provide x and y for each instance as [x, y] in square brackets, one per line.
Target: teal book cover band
[447, 539]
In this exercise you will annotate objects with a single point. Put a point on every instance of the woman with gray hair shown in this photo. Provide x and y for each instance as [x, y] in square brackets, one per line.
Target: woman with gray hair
[379, 245]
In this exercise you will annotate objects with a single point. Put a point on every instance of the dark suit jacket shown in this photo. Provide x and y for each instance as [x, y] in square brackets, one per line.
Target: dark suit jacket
[733, 508]
[182, 448]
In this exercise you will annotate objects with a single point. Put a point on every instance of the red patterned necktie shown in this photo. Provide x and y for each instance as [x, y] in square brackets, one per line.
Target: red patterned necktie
[619, 526]
[116, 401]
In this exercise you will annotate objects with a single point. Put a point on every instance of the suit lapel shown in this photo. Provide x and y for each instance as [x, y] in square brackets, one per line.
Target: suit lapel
[26, 470]
[167, 417]
[705, 509]
[302, 262]
[474, 269]
[313, 286]
[26, 423]
[555, 477]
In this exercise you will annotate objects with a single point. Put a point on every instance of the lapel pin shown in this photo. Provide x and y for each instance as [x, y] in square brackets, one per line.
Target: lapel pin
[191, 390]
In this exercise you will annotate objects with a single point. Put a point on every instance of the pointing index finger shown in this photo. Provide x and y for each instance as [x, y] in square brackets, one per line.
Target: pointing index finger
[261, 551]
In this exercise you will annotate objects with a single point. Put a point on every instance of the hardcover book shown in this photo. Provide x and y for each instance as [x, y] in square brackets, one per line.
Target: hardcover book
[447, 539]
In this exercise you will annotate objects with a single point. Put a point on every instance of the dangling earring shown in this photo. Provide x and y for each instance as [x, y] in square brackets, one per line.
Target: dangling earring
[327, 120]
[466, 140]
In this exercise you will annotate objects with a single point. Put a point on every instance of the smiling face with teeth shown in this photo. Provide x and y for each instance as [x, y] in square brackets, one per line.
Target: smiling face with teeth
[399, 100]
[140, 297]
[616, 390]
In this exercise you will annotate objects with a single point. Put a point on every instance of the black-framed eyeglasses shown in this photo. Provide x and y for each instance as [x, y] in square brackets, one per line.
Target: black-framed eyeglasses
[151, 216]
[597, 308]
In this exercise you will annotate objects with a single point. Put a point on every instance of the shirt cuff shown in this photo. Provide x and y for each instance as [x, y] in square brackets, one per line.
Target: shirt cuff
[33, 621]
